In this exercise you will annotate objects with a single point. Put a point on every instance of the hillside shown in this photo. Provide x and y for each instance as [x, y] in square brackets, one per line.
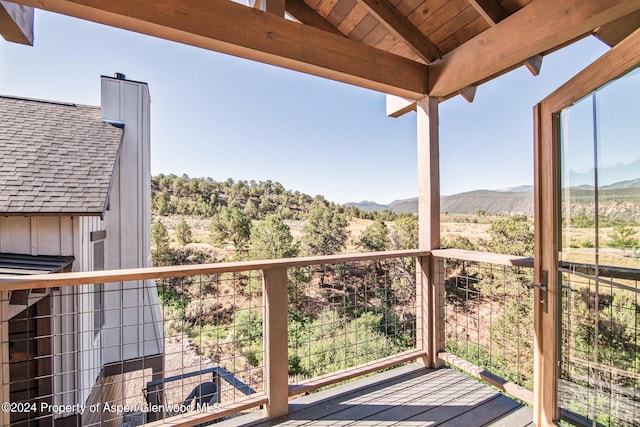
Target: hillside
[490, 201]
[493, 202]
[616, 200]
[173, 195]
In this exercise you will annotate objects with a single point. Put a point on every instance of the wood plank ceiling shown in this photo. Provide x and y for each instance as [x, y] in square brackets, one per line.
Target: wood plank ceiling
[409, 48]
[420, 30]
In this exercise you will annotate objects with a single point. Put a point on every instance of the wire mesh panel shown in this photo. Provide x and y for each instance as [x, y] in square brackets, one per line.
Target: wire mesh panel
[133, 352]
[600, 360]
[489, 317]
[350, 314]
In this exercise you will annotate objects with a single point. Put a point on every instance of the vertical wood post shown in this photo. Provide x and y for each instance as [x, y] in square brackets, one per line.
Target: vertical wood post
[429, 286]
[4, 356]
[275, 342]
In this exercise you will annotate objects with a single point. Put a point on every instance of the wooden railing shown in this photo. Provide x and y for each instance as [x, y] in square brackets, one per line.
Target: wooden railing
[429, 320]
[277, 389]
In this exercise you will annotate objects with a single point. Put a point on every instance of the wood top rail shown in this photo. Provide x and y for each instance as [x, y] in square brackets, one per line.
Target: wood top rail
[41, 281]
[464, 255]
[108, 276]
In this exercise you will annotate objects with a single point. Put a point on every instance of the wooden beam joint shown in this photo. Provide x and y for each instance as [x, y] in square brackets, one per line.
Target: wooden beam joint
[402, 28]
[398, 106]
[491, 10]
[468, 93]
[308, 16]
[534, 64]
[540, 26]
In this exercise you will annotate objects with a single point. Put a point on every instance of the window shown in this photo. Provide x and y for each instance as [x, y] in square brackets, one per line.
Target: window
[98, 291]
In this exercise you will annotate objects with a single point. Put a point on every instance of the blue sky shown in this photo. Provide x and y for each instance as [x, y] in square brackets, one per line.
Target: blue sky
[219, 116]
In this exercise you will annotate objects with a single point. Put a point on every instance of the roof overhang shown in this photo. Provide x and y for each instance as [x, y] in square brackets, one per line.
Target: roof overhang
[12, 265]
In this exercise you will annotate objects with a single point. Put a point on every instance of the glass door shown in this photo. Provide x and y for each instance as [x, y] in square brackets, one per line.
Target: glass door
[599, 256]
[587, 245]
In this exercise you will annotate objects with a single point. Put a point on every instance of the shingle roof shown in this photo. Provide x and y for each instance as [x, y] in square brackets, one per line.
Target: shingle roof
[54, 157]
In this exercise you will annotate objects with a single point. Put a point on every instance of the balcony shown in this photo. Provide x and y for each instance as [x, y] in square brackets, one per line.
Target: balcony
[363, 338]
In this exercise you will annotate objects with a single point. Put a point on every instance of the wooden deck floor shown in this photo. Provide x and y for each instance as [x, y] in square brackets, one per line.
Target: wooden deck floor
[407, 396]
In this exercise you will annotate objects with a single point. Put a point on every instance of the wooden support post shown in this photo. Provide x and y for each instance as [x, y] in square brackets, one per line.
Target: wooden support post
[429, 227]
[4, 356]
[275, 342]
[422, 309]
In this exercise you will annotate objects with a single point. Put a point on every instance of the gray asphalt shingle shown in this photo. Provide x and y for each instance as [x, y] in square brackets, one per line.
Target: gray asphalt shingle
[54, 157]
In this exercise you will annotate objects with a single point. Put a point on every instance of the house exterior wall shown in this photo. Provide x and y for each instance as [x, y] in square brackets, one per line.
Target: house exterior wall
[76, 360]
[88, 353]
[37, 235]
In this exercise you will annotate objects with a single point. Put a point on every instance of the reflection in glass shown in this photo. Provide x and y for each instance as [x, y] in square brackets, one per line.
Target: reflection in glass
[600, 255]
[600, 150]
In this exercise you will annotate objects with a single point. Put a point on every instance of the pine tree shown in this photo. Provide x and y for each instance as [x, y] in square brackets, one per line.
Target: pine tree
[160, 254]
[325, 232]
[271, 239]
[183, 232]
[375, 237]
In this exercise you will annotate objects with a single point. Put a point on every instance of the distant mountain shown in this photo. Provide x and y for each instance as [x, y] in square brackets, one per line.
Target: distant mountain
[622, 172]
[494, 202]
[403, 206]
[520, 189]
[519, 200]
[501, 201]
[632, 183]
[367, 206]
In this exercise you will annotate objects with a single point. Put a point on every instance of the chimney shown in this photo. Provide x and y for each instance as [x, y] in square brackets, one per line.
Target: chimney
[126, 104]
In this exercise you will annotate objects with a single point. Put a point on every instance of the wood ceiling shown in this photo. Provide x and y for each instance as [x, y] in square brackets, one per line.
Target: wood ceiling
[409, 48]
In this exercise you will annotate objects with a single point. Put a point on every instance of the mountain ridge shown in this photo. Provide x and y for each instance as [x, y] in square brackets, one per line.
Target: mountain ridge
[510, 200]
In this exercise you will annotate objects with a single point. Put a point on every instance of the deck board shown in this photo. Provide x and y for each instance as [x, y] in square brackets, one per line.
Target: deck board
[407, 396]
[519, 417]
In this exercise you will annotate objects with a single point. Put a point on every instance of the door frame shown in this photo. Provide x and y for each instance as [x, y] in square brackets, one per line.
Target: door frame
[619, 60]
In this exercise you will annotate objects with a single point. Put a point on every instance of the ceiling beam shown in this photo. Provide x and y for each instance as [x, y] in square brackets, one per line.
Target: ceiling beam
[491, 10]
[16, 23]
[305, 14]
[468, 93]
[616, 31]
[234, 29]
[402, 28]
[540, 26]
[275, 7]
[534, 64]
[398, 106]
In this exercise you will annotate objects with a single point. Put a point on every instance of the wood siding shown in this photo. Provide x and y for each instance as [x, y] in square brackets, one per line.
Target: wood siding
[37, 235]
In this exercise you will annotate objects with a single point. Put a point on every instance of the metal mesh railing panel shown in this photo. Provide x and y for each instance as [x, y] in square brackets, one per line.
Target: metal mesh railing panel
[489, 317]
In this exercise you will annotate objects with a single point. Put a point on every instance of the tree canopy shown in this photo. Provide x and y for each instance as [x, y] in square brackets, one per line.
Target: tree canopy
[375, 237]
[271, 239]
[325, 232]
[230, 225]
